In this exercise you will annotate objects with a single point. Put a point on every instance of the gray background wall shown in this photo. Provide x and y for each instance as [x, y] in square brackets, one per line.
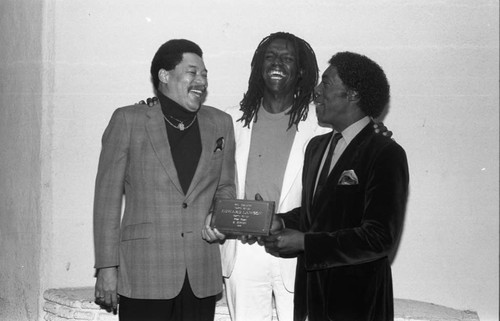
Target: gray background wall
[66, 65]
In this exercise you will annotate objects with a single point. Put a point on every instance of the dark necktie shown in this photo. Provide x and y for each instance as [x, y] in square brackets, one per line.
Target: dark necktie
[325, 171]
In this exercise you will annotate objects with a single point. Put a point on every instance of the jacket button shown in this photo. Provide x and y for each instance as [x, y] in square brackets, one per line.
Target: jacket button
[184, 205]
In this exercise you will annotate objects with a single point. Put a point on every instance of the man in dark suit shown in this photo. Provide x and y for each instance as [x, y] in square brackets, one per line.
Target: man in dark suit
[353, 201]
[169, 162]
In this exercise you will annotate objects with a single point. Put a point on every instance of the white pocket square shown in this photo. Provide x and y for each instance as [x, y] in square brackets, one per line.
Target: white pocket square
[348, 177]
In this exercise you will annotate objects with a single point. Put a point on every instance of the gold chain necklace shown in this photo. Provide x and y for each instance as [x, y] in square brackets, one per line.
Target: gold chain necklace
[181, 125]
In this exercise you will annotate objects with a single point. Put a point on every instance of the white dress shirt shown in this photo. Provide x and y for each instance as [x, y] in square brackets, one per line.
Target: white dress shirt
[348, 135]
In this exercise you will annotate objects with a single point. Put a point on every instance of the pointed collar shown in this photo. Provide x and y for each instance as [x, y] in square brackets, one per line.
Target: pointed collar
[350, 132]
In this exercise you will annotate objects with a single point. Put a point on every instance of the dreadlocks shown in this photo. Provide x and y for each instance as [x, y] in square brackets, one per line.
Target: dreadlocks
[304, 88]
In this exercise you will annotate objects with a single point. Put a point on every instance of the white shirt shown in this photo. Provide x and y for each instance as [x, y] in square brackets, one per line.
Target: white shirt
[348, 135]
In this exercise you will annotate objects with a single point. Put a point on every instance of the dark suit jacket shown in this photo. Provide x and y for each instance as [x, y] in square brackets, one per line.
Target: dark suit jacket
[159, 237]
[344, 272]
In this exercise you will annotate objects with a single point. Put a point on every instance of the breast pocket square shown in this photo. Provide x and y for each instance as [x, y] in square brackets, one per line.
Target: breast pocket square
[348, 177]
[219, 144]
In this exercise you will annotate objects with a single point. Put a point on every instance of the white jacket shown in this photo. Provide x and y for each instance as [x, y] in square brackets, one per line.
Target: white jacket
[290, 191]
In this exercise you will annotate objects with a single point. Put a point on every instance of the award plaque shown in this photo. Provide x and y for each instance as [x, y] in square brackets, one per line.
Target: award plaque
[242, 217]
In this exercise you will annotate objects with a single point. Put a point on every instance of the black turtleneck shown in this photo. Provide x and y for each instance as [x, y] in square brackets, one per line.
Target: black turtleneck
[185, 145]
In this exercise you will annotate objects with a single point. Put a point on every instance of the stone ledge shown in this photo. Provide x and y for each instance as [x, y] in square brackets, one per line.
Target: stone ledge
[78, 304]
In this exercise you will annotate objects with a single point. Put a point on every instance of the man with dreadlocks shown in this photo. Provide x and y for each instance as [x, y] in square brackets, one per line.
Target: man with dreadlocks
[271, 131]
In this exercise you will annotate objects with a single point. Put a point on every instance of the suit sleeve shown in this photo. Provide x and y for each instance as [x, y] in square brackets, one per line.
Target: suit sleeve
[383, 209]
[292, 218]
[109, 189]
[226, 187]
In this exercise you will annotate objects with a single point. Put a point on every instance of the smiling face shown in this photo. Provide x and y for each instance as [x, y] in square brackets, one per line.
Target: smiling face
[187, 83]
[279, 69]
[333, 106]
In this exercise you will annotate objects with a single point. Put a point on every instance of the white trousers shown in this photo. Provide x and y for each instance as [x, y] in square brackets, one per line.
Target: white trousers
[255, 280]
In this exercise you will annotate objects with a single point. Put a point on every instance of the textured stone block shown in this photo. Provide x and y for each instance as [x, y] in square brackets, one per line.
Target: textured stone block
[105, 316]
[65, 312]
[51, 307]
[411, 310]
[77, 304]
[84, 315]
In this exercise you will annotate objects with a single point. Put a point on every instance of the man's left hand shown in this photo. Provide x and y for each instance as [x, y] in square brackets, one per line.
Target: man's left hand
[150, 102]
[380, 128]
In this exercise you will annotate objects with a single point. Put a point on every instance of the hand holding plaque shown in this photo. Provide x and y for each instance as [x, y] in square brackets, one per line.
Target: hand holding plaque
[235, 217]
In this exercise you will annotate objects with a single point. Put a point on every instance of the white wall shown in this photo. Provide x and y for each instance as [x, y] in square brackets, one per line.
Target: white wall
[441, 58]
[21, 157]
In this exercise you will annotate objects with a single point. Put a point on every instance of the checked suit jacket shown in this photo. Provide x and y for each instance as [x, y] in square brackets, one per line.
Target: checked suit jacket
[157, 238]
[344, 272]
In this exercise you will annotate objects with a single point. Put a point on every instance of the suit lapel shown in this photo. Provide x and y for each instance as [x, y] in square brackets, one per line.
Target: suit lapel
[208, 140]
[347, 160]
[349, 156]
[317, 152]
[243, 136]
[295, 159]
[157, 132]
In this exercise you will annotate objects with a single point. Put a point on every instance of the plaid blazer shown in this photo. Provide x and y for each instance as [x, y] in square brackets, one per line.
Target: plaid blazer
[157, 238]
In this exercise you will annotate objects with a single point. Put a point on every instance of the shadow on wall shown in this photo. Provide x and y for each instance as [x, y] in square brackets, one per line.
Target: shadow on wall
[392, 255]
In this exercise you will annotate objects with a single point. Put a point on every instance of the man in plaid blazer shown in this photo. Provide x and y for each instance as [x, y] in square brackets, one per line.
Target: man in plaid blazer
[168, 163]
